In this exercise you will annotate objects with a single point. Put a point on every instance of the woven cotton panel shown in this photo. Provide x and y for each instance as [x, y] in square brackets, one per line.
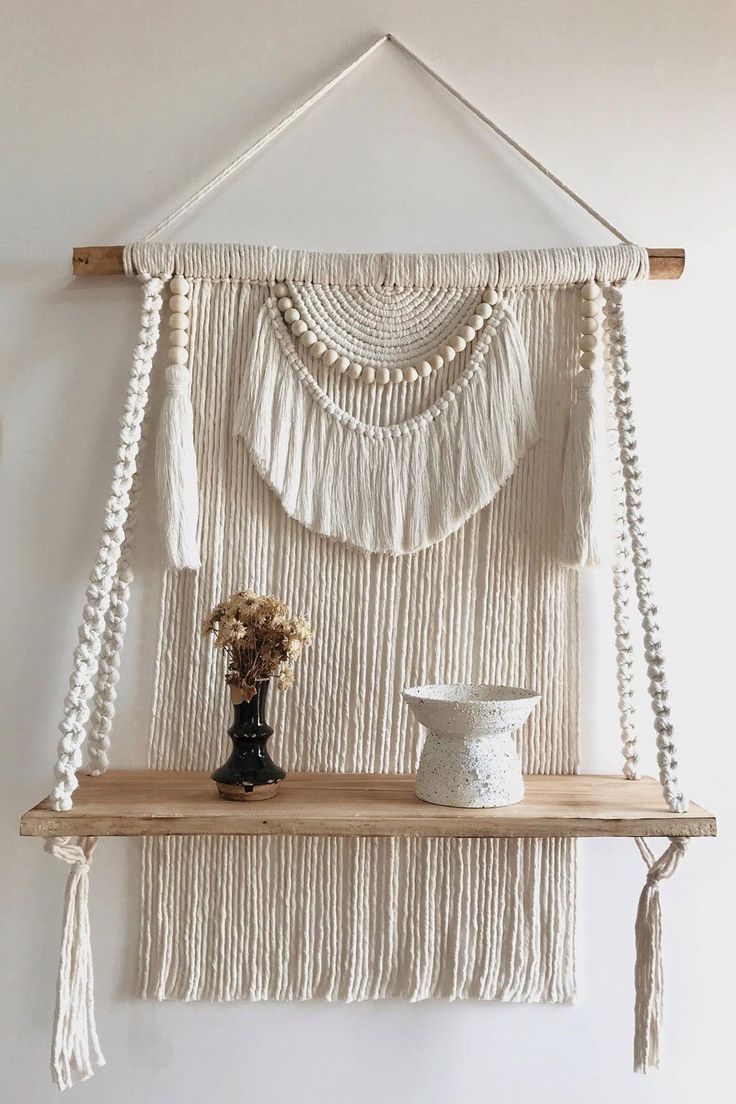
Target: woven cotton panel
[350, 919]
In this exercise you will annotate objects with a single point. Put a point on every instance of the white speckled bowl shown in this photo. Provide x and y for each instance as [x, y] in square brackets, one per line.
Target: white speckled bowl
[469, 759]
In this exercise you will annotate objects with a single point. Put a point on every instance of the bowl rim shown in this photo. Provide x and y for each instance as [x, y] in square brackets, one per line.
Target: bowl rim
[510, 693]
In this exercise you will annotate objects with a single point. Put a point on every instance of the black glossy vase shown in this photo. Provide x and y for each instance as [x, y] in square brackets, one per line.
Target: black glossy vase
[250, 773]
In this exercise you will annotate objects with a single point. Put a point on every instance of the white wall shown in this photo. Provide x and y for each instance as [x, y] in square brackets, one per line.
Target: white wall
[113, 112]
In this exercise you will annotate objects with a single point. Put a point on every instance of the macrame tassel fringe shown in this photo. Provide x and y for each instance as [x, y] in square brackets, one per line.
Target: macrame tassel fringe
[75, 1046]
[578, 545]
[176, 472]
[393, 489]
[648, 976]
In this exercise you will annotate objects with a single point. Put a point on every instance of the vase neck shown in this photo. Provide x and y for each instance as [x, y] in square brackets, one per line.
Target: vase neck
[254, 710]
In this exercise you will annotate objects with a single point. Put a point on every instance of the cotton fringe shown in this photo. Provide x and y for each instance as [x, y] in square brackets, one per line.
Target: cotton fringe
[396, 488]
[648, 974]
[75, 1046]
[176, 472]
[578, 545]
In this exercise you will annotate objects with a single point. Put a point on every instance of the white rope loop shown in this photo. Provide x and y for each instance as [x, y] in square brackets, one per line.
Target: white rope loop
[648, 970]
[105, 571]
[615, 336]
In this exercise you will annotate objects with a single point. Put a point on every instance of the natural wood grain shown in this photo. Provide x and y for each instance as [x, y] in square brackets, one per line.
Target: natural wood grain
[107, 260]
[161, 803]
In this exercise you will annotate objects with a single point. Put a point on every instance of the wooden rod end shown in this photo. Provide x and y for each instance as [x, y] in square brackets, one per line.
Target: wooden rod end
[97, 260]
[666, 264]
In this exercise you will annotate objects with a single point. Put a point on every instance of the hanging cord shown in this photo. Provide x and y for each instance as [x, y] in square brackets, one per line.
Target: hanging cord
[252, 150]
[648, 971]
[104, 573]
[75, 1048]
[622, 598]
[108, 671]
[616, 352]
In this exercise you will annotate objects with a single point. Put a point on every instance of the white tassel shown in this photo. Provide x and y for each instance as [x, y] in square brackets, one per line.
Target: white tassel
[578, 545]
[75, 1046]
[176, 471]
[648, 975]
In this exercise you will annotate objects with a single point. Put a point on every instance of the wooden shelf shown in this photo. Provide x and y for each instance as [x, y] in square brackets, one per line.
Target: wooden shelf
[163, 803]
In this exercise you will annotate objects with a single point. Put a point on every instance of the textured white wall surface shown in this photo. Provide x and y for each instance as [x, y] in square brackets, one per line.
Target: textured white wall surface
[111, 113]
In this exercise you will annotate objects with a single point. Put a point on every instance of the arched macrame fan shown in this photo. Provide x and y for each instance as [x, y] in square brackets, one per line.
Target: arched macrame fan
[417, 433]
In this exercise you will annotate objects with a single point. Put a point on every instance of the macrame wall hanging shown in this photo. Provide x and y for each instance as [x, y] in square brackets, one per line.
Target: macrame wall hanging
[403, 446]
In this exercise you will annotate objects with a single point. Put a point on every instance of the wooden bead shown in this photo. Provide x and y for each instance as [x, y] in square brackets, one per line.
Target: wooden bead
[179, 286]
[485, 310]
[369, 374]
[284, 303]
[476, 322]
[179, 337]
[299, 327]
[291, 315]
[397, 375]
[355, 371]
[590, 291]
[436, 362]
[179, 304]
[342, 364]
[589, 326]
[318, 349]
[468, 333]
[410, 374]
[589, 308]
[490, 296]
[382, 376]
[308, 338]
[588, 342]
[178, 355]
[330, 357]
[458, 343]
[280, 290]
[587, 360]
[448, 354]
[424, 369]
[178, 321]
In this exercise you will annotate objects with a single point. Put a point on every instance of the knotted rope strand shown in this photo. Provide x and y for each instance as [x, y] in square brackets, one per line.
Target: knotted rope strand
[75, 1048]
[648, 973]
[108, 671]
[622, 599]
[616, 351]
[105, 570]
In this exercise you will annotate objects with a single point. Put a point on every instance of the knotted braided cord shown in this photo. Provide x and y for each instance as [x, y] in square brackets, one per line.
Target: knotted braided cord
[105, 571]
[616, 354]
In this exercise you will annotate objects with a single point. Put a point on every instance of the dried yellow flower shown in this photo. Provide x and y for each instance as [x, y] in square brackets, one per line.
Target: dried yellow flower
[260, 639]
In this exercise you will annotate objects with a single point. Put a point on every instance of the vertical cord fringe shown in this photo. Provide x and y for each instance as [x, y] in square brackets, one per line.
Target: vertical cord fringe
[648, 974]
[75, 1047]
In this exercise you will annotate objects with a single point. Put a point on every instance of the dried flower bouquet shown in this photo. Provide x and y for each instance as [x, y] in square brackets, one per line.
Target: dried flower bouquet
[260, 638]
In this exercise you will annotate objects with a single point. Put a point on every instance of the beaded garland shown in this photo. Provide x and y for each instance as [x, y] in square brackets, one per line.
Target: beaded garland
[487, 312]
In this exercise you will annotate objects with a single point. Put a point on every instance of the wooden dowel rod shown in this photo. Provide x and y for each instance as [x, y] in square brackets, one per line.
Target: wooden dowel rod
[107, 260]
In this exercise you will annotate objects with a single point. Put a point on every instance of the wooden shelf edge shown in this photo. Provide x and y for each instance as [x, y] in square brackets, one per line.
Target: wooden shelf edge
[155, 803]
[107, 260]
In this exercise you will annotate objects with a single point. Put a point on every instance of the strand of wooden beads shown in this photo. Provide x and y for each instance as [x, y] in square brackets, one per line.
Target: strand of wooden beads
[589, 325]
[178, 320]
[489, 311]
